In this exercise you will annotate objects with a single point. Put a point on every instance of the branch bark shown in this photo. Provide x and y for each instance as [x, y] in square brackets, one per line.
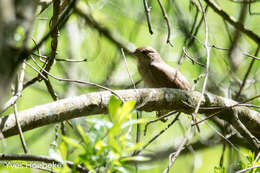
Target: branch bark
[147, 100]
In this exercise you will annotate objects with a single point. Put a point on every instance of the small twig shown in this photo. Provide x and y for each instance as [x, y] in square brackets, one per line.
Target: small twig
[223, 108]
[80, 82]
[18, 92]
[227, 49]
[137, 115]
[222, 155]
[256, 159]
[194, 20]
[20, 129]
[59, 24]
[247, 169]
[247, 73]
[244, 1]
[132, 81]
[61, 59]
[167, 22]
[250, 10]
[157, 119]
[71, 60]
[225, 138]
[207, 63]
[173, 156]
[207, 118]
[148, 18]
[197, 29]
[40, 73]
[30, 82]
[159, 134]
[192, 59]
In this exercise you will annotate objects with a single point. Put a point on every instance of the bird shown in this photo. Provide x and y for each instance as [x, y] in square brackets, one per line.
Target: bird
[157, 74]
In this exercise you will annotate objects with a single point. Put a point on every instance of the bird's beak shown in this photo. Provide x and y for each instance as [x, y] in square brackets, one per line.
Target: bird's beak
[134, 53]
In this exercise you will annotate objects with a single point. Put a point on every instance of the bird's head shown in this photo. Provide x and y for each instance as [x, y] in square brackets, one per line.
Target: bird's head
[147, 54]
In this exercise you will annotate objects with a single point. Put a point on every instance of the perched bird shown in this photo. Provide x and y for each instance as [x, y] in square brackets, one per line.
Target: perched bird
[156, 73]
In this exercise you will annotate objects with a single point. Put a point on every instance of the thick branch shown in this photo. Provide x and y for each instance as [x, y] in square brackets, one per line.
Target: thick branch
[147, 100]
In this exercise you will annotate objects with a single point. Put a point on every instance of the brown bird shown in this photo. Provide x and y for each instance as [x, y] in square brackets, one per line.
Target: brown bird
[156, 73]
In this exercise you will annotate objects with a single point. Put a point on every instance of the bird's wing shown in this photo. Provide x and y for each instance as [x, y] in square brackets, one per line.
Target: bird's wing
[169, 77]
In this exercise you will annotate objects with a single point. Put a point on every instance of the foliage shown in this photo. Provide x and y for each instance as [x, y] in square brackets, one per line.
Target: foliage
[250, 159]
[249, 162]
[105, 146]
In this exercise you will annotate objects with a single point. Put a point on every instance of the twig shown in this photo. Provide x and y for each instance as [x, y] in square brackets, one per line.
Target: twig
[148, 18]
[129, 75]
[247, 73]
[79, 81]
[132, 81]
[247, 169]
[18, 94]
[64, 16]
[207, 60]
[32, 81]
[61, 59]
[159, 134]
[256, 159]
[225, 107]
[157, 119]
[185, 140]
[137, 115]
[250, 10]
[71, 60]
[19, 90]
[226, 49]
[207, 64]
[192, 59]
[20, 129]
[244, 1]
[36, 78]
[167, 22]
[225, 138]
[173, 156]
[197, 28]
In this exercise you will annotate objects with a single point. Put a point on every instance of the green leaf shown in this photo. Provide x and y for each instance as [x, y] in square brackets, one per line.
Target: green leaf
[134, 121]
[100, 146]
[125, 113]
[83, 135]
[63, 150]
[88, 165]
[135, 147]
[135, 158]
[114, 108]
[72, 142]
[128, 107]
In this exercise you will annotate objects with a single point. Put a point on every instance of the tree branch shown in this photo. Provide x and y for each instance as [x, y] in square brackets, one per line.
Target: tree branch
[147, 100]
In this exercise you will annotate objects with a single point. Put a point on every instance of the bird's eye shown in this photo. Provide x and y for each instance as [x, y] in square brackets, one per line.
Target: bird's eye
[146, 51]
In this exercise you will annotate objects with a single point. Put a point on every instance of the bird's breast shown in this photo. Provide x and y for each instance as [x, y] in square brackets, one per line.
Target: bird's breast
[147, 76]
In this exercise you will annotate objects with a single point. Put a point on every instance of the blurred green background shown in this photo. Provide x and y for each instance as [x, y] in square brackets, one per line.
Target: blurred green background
[105, 65]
